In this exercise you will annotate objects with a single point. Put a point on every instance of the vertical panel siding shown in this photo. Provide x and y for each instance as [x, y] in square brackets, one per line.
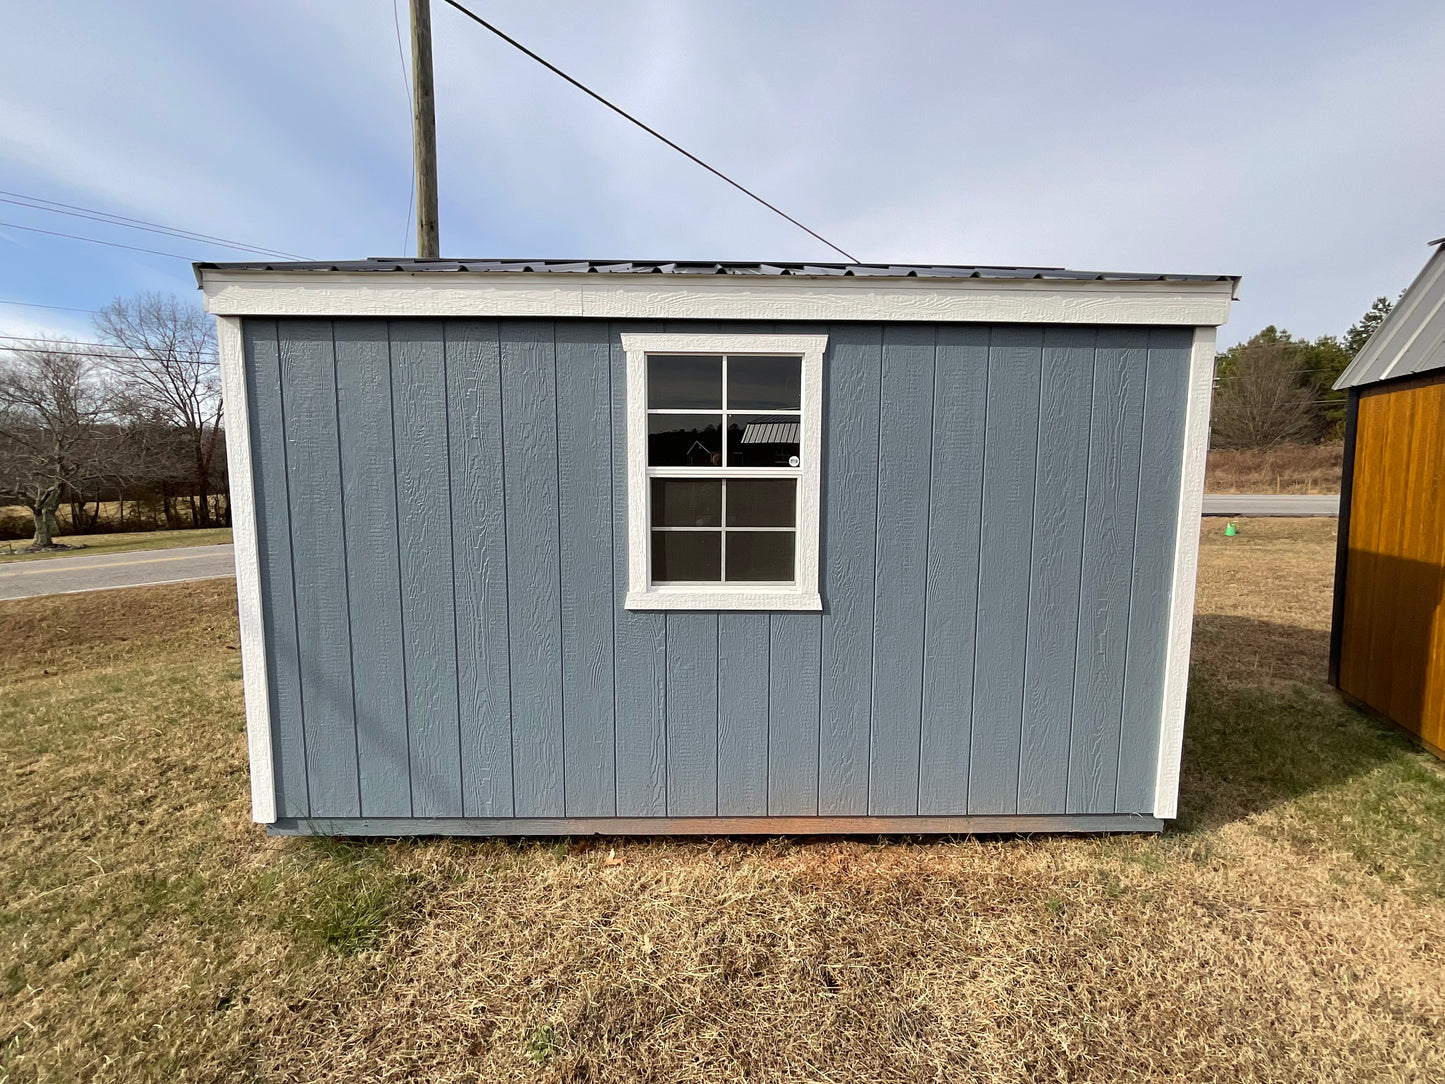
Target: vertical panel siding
[1161, 462]
[273, 532]
[743, 651]
[1414, 546]
[794, 681]
[904, 446]
[640, 641]
[1057, 552]
[479, 572]
[995, 570]
[847, 548]
[584, 451]
[423, 482]
[318, 555]
[692, 714]
[1015, 357]
[1392, 650]
[960, 397]
[373, 570]
[529, 433]
[1391, 460]
[1113, 489]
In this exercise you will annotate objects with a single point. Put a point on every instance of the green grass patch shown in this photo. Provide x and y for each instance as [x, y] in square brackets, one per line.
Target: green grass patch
[340, 896]
[1354, 782]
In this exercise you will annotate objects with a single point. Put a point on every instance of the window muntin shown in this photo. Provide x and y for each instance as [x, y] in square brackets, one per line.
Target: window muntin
[723, 470]
[708, 513]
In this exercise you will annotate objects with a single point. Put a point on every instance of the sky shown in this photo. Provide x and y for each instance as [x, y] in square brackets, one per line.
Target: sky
[1299, 145]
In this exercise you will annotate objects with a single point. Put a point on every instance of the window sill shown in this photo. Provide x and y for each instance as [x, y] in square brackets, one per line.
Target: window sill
[752, 598]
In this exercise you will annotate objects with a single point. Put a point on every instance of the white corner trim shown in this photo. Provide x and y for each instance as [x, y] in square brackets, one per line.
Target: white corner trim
[803, 594]
[248, 568]
[1186, 568]
[714, 297]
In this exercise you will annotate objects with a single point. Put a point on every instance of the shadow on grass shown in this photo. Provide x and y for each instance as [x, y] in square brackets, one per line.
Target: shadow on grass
[1254, 740]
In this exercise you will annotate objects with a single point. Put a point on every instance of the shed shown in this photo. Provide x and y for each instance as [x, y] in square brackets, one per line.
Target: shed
[1387, 648]
[543, 547]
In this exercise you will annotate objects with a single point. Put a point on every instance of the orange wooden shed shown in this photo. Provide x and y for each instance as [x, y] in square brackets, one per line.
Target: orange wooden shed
[1387, 648]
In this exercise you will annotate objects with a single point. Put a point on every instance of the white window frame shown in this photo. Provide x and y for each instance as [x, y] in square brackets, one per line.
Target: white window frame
[802, 593]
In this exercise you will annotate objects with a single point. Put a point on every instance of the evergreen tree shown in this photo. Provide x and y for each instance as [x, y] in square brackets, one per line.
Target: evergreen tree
[1361, 330]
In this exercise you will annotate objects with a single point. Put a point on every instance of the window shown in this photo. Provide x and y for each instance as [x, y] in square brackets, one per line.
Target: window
[724, 449]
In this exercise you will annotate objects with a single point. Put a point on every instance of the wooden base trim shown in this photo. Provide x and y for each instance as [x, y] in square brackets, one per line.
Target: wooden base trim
[711, 826]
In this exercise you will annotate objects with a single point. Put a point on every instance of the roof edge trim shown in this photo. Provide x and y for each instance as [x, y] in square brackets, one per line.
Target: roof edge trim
[1151, 301]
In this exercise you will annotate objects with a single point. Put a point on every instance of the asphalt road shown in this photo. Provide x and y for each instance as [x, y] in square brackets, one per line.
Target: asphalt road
[67, 575]
[1269, 504]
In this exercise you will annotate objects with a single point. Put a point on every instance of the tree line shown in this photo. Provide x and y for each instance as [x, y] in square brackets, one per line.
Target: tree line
[133, 417]
[1276, 389]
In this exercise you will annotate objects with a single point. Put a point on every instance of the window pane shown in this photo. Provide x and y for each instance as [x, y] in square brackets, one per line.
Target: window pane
[757, 383]
[685, 503]
[768, 440]
[762, 502]
[686, 555]
[682, 381]
[760, 555]
[684, 440]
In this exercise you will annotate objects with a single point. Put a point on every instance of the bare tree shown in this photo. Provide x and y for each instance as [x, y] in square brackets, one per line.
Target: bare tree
[56, 435]
[1262, 399]
[165, 359]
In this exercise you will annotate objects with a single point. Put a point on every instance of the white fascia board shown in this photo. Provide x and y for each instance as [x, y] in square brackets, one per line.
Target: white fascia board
[1186, 568]
[714, 297]
[231, 349]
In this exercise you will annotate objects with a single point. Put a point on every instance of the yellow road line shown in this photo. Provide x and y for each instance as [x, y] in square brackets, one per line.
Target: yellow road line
[112, 564]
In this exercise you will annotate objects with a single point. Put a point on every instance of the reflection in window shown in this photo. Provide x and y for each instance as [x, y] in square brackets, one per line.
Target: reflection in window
[684, 382]
[768, 440]
[763, 383]
[722, 527]
[684, 440]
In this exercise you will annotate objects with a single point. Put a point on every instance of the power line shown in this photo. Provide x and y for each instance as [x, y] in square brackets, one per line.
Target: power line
[96, 356]
[411, 107]
[21, 199]
[38, 305]
[81, 342]
[91, 355]
[514, 43]
[187, 363]
[102, 351]
[94, 240]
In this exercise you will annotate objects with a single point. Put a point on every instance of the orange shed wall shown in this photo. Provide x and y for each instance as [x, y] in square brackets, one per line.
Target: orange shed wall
[1392, 642]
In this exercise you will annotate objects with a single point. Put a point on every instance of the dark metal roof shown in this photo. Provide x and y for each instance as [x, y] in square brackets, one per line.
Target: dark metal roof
[688, 267]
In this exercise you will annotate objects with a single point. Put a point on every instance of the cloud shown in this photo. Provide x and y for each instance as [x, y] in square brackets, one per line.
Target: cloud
[1292, 143]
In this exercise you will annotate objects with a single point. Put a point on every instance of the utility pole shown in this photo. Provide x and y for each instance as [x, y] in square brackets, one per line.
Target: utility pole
[424, 132]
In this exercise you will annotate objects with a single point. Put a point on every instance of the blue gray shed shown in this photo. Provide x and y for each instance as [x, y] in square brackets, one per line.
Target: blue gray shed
[542, 547]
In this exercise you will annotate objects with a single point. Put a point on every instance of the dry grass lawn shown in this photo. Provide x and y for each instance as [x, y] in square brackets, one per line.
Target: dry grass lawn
[1289, 468]
[1288, 928]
